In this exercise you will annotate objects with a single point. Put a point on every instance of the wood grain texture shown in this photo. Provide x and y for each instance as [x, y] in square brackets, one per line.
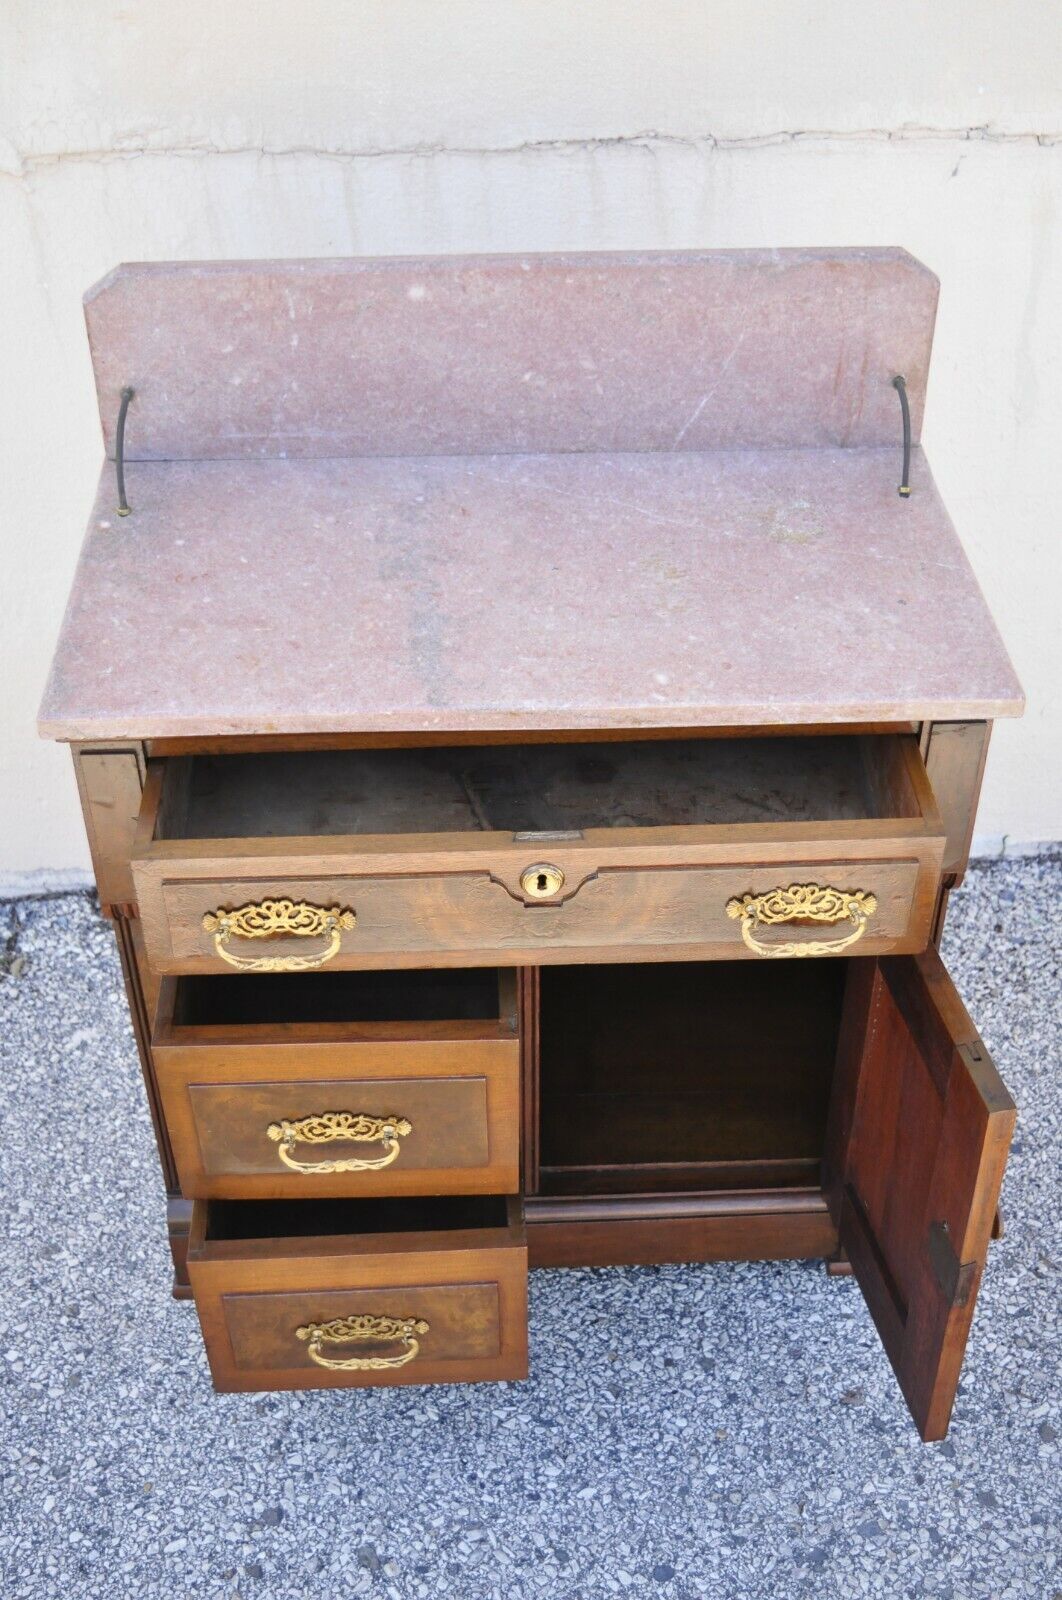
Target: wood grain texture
[427, 739]
[178, 1230]
[110, 783]
[652, 1074]
[252, 1294]
[630, 893]
[528, 981]
[955, 756]
[126, 936]
[919, 1137]
[621, 912]
[918, 1123]
[461, 1095]
[654, 1230]
[536, 788]
[442, 425]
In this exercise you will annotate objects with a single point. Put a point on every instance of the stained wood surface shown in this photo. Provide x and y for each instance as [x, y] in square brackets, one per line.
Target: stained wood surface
[414, 1004]
[460, 1095]
[130, 952]
[652, 1070]
[534, 788]
[427, 739]
[529, 996]
[441, 1050]
[653, 1230]
[436, 911]
[630, 892]
[920, 1128]
[919, 1121]
[252, 1293]
[178, 1229]
[955, 755]
[110, 783]
[550, 517]
[448, 1118]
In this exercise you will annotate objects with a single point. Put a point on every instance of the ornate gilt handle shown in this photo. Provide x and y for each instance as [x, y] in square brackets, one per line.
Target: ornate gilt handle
[802, 902]
[269, 918]
[352, 1330]
[328, 1126]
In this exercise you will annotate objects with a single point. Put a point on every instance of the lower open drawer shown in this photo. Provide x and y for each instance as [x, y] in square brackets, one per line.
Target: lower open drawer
[323, 1294]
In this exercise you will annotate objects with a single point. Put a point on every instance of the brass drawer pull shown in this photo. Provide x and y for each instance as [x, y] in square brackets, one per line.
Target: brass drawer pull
[351, 1330]
[810, 902]
[331, 1125]
[269, 918]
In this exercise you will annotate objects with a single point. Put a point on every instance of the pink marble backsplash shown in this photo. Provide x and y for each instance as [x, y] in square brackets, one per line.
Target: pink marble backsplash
[523, 592]
[680, 351]
[518, 493]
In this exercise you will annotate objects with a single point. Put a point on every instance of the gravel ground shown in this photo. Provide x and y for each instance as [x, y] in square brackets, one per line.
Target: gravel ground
[729, 1431]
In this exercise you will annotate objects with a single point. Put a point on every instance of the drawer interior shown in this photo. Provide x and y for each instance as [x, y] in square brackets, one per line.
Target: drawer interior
[232, 1221]
[417, 995]
[540, 788]
[690, 1075]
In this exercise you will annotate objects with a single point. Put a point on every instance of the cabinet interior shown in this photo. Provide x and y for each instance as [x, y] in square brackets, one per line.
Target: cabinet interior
[685, 1076]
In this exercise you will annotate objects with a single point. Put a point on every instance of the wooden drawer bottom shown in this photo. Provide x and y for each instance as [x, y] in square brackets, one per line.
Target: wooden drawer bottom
[348, 1294]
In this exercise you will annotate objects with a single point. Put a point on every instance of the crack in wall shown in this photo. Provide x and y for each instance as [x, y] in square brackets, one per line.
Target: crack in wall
[15, 164]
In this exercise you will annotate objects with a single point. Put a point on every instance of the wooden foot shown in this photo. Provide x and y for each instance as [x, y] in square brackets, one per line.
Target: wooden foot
[178, 1223]
[838, 1265]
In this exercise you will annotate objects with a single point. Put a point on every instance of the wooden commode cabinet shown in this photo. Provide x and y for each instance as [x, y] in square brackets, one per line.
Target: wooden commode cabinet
[528, 811]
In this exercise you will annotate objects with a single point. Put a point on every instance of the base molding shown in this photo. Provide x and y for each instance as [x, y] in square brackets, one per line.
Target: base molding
[654, 1230]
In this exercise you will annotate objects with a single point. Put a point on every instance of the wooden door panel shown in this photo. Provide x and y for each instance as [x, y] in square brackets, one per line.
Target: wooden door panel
[919, 1132]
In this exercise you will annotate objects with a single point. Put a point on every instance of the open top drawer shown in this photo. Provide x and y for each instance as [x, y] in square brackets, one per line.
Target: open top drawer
[522, 854]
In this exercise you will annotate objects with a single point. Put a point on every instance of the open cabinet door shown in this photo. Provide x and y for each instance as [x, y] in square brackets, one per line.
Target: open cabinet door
[920, 1126]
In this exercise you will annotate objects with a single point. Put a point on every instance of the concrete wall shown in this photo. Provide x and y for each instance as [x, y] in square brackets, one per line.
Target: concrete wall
[334, 127]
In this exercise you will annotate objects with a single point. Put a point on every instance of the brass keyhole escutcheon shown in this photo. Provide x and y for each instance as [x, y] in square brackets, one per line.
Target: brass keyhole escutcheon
[542, 881]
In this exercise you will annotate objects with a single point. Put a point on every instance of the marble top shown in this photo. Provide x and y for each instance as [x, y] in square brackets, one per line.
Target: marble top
[495, 592]
[470, 355]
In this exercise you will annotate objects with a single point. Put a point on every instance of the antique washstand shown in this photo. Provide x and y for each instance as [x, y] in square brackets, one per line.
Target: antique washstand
[528, 725]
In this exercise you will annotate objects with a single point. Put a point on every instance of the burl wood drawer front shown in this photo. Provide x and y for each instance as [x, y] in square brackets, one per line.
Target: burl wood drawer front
[864, 879]
[284, 1106]
[446, 1305]
[368, 1118]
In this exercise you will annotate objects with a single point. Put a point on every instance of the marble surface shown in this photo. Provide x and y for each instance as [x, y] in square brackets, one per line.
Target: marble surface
[732, 588]
[692, 350]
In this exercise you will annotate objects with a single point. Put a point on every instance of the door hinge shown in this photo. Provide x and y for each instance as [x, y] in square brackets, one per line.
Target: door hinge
[954, 1277]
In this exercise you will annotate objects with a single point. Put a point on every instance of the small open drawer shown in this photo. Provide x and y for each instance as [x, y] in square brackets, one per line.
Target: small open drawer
[343, 1294]
[341, 1083]
[664, 849]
